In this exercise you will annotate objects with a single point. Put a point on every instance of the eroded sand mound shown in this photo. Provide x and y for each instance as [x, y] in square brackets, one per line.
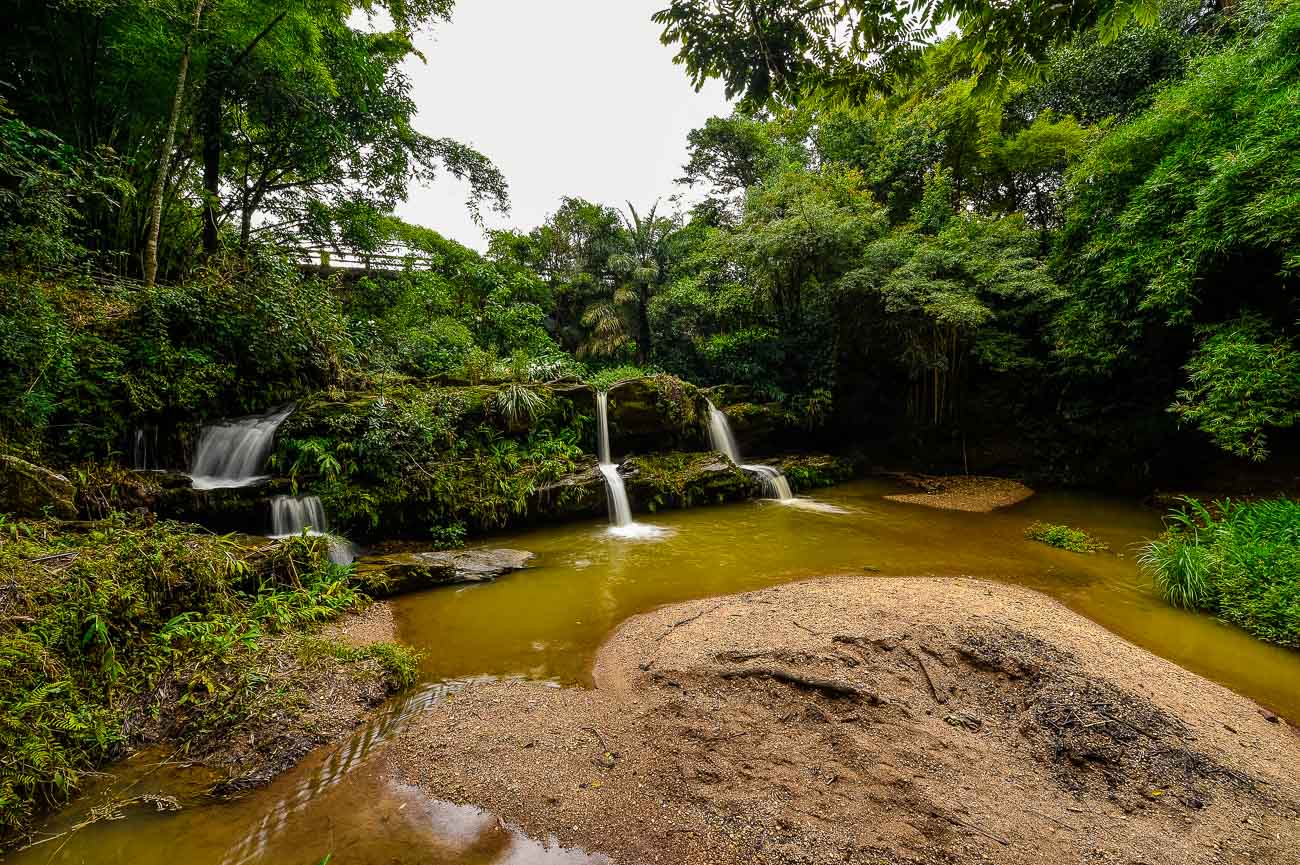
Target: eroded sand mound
[869, 720]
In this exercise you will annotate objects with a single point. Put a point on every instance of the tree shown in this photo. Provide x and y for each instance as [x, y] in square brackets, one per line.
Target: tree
[643, 265]
[766, 50]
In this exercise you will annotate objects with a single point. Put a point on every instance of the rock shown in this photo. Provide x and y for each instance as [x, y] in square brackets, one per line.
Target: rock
[659, 413]
[399, 573]
[233, 509]
[684, 479]
[29, 490]
[581, 494]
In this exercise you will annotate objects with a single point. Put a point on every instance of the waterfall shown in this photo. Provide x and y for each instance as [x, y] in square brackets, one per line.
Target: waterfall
[144, 449]
[292, 515]
[775, 485]
[231, 453]
[620, 509]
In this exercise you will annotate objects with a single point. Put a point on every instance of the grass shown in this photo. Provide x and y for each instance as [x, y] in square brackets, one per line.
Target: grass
[1237, 560]
[1064, 537]
[115, 634]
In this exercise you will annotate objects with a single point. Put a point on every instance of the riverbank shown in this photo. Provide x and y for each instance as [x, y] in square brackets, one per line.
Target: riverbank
[859, 719]
[124, 634]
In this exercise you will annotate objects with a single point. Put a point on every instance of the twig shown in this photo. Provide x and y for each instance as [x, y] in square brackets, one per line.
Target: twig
[956, 821]
[806, 628]
[603, 745]
[925, 671]
[686, 621]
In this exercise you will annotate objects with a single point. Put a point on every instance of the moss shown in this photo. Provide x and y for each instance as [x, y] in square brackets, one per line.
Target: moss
[684, 479]
[1064, 538]
[810, 471]
[118, 634]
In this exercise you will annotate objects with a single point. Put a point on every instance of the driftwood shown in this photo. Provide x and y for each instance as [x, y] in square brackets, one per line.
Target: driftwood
[830, 687]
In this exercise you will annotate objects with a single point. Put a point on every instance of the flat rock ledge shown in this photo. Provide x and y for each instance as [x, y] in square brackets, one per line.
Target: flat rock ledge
[867, 720]
[398, 573]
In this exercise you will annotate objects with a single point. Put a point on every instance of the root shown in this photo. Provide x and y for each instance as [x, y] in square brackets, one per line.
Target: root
[835, 688]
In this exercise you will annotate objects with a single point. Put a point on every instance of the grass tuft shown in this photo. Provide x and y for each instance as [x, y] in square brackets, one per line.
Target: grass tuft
[1237, 560]
[1064, 537]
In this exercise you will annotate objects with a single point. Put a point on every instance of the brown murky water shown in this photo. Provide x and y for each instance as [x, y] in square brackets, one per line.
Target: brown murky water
[547, 623]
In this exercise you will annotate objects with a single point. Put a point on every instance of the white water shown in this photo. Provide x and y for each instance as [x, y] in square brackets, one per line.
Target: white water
[620, 509]
[144, 446]
[775, 485]
[293, 515]
[232, 453]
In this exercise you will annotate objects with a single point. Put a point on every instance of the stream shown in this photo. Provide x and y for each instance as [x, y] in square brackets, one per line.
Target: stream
[547, 622]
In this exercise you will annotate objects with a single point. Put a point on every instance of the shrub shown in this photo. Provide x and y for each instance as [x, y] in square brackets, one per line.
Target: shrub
[1237, 560]
[1064, 538]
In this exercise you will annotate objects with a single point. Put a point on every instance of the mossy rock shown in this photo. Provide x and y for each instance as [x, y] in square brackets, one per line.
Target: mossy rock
[574, 496]
[657, 413]
[234, 509]
[810, 471]
[679, 480]
[29, 490]
[384, 576]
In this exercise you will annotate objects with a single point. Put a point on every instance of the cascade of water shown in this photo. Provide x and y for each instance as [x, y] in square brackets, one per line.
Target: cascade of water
[775, 485]
[620, 510]
[232, 453]
[292, 515]
[144, 446]
[602, 428]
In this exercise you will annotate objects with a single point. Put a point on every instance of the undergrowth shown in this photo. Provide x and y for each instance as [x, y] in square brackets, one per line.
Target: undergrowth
[1064, 537]
[115, 634]
[1237, 560]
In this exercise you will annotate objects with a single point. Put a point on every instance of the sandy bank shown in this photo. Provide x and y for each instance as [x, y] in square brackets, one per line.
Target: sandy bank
[866, 720]
[974, 493]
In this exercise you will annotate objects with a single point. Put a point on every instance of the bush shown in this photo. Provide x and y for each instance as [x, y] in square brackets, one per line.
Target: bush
[1064, 538]
[119, 634]
[1237, 560]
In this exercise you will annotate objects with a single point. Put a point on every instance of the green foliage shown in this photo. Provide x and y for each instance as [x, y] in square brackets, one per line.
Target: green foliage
[784, 50]
[1063, 537]
[1242, 380]
[1188, 210]
[117, 623]
[1237, 560]
[419, 458]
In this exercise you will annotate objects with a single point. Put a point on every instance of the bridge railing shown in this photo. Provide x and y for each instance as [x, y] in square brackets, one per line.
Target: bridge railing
[388, 258]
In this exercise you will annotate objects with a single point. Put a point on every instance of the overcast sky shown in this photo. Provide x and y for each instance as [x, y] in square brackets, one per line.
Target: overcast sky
[567, 97]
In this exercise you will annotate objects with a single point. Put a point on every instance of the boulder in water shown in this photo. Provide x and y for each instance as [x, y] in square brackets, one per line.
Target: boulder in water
[399, 573]
[29, 490]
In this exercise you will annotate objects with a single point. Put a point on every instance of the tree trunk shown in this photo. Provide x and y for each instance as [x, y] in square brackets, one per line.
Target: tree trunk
[210, 121]
[643, 327]
[164, 162]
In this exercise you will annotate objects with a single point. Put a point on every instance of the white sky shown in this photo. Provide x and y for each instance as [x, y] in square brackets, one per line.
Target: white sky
[567, 97]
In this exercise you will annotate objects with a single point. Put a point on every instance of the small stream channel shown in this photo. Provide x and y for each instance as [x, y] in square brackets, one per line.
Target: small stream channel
[547, 623]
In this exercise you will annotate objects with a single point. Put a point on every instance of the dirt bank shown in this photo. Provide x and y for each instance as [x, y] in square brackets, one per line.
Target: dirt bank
[974, 493]
[872, 720]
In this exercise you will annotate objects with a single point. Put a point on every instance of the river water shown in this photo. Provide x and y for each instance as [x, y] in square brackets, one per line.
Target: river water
[547, 623]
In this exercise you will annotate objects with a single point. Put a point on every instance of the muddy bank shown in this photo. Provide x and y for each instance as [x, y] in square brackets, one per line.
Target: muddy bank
[865, 720]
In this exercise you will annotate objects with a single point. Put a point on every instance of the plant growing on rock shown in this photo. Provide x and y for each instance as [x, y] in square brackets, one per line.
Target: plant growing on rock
[1064, 537]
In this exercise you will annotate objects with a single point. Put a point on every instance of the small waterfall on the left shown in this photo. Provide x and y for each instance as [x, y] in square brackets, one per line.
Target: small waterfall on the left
[144, 449]
[231, 453]
[620, 509]
[292, 515]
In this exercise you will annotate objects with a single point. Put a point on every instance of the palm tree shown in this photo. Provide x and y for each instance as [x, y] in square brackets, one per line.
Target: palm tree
[642, 267]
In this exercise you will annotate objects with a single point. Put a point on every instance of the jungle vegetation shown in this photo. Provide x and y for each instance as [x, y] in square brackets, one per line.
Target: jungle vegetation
[1069, 235]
